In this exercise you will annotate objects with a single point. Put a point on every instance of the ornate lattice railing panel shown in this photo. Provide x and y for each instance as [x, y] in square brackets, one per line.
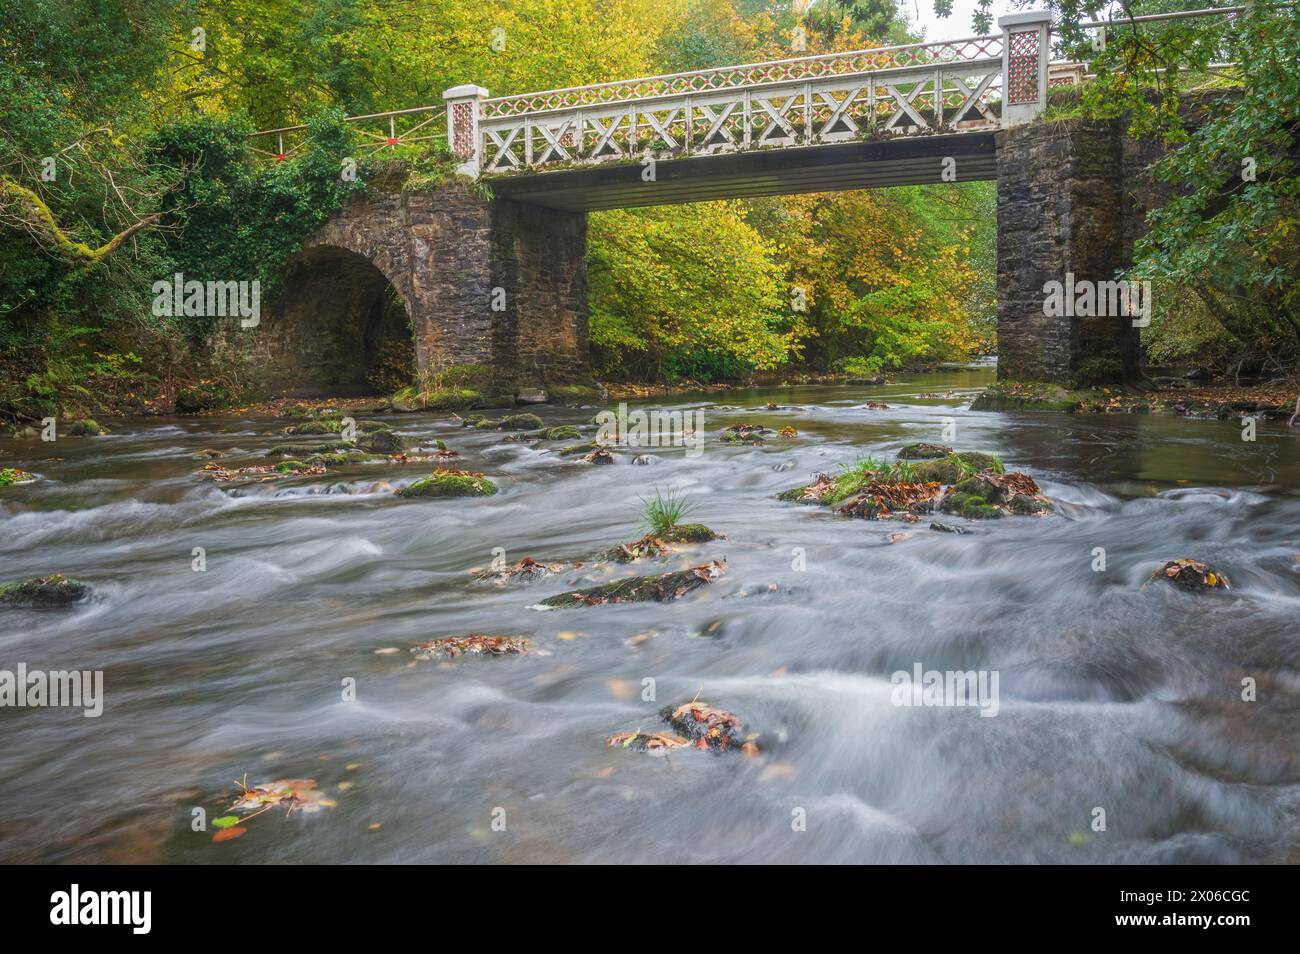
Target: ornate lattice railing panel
[900, 101]
[751, 74]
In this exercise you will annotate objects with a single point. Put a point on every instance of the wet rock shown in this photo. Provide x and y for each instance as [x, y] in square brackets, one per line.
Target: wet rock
[600, 455]
[562, 432]
[520, 422]
[644, 459]
[298, 412]
[640, 589]
[208, 453]
[656, 543]
[526, 570]
[474, 644]
[874, 406]
[334, 425]
[708, 727]
[12, 477]
[574, 449]
[752, 434]
[923, 451]
[381, 442]
[306, 450]
[86, 428]
[1190, 575]
[450, 483]
[947, 527]
[989, 495]
[43, 592]
[340, 458]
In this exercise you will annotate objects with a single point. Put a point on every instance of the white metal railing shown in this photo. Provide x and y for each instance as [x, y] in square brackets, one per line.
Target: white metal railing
[748, 74]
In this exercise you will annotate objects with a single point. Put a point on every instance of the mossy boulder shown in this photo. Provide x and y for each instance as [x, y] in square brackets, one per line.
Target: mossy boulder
[438, 399]
[339, 458]
[576, 393]
[752, 434]
[381, 442]
[520, 422]
[573, 450]
[43, 592]
[86, 428]
[923, 451]
[971, 506]
[334, 425]
[450, 483]
[988, 495]
[290, 466]
[485, 424]
[641, 589]
[306, 450]
[955, 467]
[687, 533]
[562, 432]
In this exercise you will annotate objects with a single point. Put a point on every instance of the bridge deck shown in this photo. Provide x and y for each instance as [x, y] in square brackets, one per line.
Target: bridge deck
[914, 160]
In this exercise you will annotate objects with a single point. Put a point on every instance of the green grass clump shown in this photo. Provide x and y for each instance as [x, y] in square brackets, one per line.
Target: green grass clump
[661, 513]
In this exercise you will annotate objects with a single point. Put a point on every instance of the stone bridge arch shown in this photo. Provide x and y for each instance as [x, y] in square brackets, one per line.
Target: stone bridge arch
[479, 282]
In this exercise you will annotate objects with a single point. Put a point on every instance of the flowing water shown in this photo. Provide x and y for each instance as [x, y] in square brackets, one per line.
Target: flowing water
[1111, 696]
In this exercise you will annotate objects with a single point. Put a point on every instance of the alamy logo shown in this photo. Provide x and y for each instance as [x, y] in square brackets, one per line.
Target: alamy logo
[39, 689]
[1089, 299]
[949, 688]
[103, 907]
[652, 429]
[194, 298]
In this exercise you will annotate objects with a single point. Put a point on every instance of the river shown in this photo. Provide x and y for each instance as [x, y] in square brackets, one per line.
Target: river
[1111, 697]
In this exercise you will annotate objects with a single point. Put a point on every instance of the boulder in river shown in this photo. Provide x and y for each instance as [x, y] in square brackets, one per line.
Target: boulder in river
[450, 483]
[988, 495]
[561, 432]
[707, 726]
[656, 543]
[923, 451]
[526, 570]
[573, 450]
[1190, 575]
[86, 428]
[600, 455]
[520, 422]
[381, 442]
[43, 592]
[753, 434]
[641, 589]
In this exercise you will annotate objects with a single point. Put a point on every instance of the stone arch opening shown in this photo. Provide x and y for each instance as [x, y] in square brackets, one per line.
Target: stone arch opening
[340, 327]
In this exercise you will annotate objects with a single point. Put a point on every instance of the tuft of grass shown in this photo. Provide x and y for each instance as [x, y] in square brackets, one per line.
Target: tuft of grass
[661, 513]
[862, 472]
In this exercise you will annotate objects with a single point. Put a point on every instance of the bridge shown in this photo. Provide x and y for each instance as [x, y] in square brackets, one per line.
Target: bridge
[501, 281]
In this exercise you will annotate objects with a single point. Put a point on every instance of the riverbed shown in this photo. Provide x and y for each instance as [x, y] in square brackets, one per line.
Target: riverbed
[1121, 733]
